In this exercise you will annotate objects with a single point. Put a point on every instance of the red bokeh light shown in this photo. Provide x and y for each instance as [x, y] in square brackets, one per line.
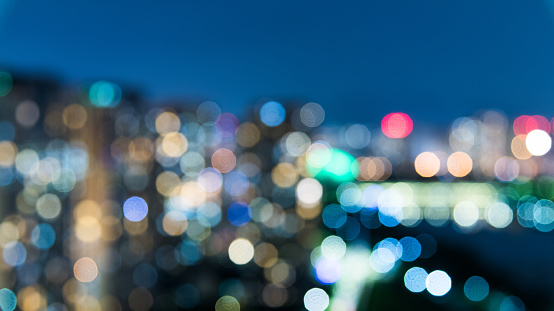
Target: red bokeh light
[525, 124]
[397, 125]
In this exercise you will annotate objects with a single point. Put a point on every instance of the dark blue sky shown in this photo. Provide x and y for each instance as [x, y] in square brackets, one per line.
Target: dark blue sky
[435, 60]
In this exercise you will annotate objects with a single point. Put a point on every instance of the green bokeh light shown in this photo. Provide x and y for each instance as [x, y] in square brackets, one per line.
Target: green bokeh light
[340, 167]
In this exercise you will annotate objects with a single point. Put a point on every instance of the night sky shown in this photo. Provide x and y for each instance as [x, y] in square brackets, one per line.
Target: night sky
[435, 60]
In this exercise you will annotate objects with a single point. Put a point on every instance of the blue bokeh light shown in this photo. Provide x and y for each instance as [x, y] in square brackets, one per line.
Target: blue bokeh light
[239, 213]
[43, 236]
[8, 300]
[272, 113]
[327, 271]
[14, 253]
[414, 279]
[333, 216]
[135, 209]
[236, 183]
[350, 229]
[476, 288]
[190, 254]
[411, 249]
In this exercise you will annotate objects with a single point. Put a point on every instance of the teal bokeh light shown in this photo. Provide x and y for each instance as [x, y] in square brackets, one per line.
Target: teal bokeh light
[340, 167]
[104, 94]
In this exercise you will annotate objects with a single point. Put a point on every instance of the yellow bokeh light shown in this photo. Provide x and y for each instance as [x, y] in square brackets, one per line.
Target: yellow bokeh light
[141, 149]
[167, 122]
[241, 251]
[88, 229]
[85, 270]
[87, 208]
[31, 298]
[8, 233]
[74, 116]
[374, 168]
[166, 182]
[519, 150]
[284, 175]
[174, 144]
[459, 164]
[265, 255]
[427, 164]
[248, 135]
[8, 151]
[193, 194]
[174, 223]
[308, 211]
[89, 303]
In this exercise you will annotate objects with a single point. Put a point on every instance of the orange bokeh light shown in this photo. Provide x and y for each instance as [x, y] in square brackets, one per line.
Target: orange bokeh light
[459, 164]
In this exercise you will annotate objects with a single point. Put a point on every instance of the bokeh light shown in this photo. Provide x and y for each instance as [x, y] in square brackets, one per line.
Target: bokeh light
[476, 288]
[227, 303]
[135, 209]
[8, 300]
[438, 283]
[459, 164]
[316, 299]
[411, 249]
[224, 160]
[538, 142]
[241, 251]
[104, 94]
[415, 279]
[85, 270]
[397, 125]
[272, 114]
[239, 213]
[427, 164]
[312, 114]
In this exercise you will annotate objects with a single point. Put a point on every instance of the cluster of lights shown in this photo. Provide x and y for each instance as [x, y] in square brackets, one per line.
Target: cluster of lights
[102, 189]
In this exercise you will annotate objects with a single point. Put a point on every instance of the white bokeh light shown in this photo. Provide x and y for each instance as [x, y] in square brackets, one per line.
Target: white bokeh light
[316, 299]
[438, 283]
[538, 142]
